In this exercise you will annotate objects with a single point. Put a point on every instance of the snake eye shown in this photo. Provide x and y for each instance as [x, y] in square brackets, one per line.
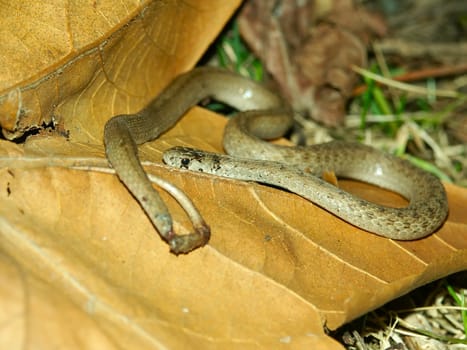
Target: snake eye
[185, 162]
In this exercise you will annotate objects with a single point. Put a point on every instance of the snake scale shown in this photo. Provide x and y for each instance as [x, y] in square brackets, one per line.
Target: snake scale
[264, 115]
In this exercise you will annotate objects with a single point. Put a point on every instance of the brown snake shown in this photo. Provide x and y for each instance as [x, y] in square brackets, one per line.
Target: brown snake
[296, 169]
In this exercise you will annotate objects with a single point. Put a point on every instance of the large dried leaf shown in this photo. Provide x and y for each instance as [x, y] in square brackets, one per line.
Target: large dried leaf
[80, 264]
[78, 64]
[76, 246]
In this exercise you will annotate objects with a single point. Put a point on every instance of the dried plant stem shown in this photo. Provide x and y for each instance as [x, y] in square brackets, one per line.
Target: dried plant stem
[405, 87]
[102, 166]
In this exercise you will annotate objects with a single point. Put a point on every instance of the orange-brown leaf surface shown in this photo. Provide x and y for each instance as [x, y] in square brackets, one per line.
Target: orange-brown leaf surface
[78, 251]
[81, 266]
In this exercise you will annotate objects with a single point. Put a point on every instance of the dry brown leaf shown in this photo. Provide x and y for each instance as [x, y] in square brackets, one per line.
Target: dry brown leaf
[80, 264]
[79, 252]
[78, 64]
[308, 47]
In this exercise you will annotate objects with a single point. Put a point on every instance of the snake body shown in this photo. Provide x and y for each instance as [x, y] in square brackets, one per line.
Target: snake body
[265, 116]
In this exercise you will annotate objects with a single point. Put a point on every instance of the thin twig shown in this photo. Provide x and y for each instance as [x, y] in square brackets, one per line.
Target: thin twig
[405, 87]
[102, 166]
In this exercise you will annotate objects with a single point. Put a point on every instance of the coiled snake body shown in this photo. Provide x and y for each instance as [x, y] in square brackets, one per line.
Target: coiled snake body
[296, 169]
